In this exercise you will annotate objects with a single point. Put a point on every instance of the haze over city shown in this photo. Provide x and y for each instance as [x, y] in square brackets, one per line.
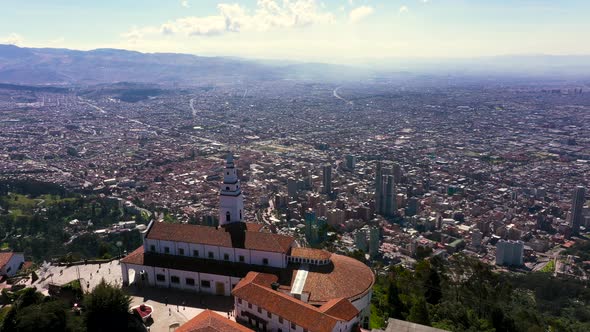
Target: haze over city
[294, 165]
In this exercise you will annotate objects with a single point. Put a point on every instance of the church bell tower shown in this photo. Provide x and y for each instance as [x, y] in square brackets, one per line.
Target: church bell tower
[231, 201]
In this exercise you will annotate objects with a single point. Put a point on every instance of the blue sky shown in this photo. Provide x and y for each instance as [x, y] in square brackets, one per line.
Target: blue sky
[329, 30]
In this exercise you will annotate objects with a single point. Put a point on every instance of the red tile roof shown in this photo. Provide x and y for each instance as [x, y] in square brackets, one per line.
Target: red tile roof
[26, 265]
[268, 242]
[310, 253]
[262, 279]
[209, 321]
[253, 290]
[135, 257]
[5, 258]
[189, 233]
[254, 227]
[197, 234]
[340, 308]
[345, 277]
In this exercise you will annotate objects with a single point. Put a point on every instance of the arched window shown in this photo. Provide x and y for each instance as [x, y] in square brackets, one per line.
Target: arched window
[227, 173]
[227, 188]
[240, 214]
[227, 216]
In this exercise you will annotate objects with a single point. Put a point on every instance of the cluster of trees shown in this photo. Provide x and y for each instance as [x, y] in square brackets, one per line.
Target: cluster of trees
[106, 308]
[463, 294]
[35, 222]
[580, 249]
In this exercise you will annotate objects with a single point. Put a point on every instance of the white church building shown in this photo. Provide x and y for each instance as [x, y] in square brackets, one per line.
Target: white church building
[214, 260]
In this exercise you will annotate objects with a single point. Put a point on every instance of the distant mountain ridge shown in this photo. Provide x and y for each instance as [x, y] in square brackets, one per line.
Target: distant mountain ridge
[65, 67]
[57, 66]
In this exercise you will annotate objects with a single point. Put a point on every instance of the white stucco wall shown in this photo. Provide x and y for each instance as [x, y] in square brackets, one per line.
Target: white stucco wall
[152, 272]
[274, 259]
[242, 252]
[199, 248]
[363, 304]
[250, 256]
[273, 323]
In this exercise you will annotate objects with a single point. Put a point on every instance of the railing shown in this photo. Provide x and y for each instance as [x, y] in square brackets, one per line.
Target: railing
[303, 260]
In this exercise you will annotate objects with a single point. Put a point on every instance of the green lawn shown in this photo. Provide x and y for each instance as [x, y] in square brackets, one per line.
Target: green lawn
[549, 268]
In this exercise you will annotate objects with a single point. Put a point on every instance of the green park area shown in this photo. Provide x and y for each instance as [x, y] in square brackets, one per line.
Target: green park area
[47, 224]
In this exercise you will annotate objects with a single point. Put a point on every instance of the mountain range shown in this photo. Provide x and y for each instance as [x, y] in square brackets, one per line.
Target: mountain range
[65, 67]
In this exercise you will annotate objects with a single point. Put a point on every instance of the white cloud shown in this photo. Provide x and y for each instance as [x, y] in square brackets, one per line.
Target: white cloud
[135, 33]
[268, 14]
[13, 39]
[58, 40]
[185, 4]
[209, 26]
[360, 13]
[403, 9]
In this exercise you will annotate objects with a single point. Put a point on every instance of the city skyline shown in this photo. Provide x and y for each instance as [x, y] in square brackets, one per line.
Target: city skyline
[332, 31]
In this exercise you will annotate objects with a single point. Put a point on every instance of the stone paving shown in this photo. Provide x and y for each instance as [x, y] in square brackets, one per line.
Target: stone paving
[174, 306]
[89, 274]
[169, 305]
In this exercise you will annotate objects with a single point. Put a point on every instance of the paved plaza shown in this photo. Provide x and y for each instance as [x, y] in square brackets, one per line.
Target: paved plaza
[89, 274]
[170, 306]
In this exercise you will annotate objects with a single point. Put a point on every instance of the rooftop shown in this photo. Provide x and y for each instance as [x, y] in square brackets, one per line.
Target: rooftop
[310, 253]
[5, 258]
[344, 277]
[255, 289]
[209, 321]
[197, 234]
[396, 325]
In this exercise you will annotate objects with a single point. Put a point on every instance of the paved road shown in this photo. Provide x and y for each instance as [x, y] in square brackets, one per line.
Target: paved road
[335, 93]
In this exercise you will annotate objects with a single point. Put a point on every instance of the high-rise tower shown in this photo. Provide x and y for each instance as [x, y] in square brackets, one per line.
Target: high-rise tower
[385, 190]
[378, 187]
[578, 201]
[327, 178]
[374, 235]
[390, 205]
[231, 201]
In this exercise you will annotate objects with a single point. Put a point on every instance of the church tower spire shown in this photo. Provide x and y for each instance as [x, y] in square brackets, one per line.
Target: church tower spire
[231, 201]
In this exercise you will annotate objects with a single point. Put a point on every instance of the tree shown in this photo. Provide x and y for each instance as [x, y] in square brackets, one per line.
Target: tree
[432, 284]
[396, 306]
[28, 297]
[49, 316]
[423, 252]
[357, 254]
[419, 312]
[9, 321]
[107, 308]
[34, 312]
[501, 321]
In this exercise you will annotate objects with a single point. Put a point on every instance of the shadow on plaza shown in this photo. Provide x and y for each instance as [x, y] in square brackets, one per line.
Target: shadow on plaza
[179, 298]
